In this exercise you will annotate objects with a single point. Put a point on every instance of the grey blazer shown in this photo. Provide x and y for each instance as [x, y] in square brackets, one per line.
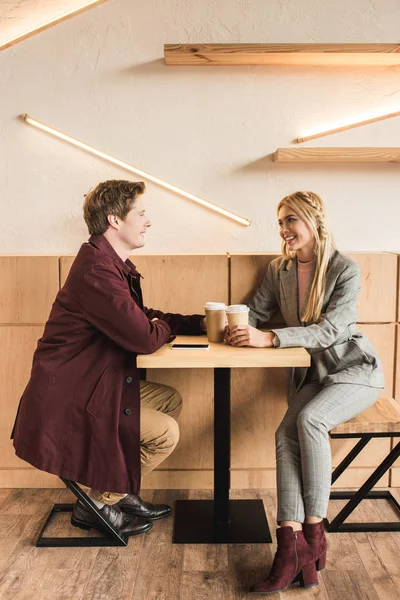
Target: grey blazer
[340, 353]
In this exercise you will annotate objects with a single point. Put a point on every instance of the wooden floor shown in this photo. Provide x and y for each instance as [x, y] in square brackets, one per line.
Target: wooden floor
[360, 566]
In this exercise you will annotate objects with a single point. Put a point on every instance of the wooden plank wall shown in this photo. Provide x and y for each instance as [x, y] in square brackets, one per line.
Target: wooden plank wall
[28, 286]
[183, 283]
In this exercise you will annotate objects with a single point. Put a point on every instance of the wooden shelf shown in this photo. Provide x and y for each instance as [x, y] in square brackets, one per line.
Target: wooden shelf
[338, 155]
[282, 54]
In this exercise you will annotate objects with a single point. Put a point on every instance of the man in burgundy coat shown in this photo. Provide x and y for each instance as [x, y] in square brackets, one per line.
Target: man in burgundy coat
[85, 415]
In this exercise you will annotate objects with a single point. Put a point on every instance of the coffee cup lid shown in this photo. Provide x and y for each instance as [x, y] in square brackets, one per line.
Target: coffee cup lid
[215, 306]
[237, 308]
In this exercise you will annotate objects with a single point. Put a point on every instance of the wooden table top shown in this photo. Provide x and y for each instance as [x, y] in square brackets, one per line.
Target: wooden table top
[221, 355]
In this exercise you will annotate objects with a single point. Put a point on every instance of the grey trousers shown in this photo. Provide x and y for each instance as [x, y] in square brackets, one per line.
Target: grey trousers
[303, 452]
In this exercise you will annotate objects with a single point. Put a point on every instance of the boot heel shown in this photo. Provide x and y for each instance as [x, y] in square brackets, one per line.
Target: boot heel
[79, 524]
[321, 562]
[308, 576]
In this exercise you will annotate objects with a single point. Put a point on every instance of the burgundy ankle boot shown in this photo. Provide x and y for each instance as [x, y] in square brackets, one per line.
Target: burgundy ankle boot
[315, 536]
[294, 561]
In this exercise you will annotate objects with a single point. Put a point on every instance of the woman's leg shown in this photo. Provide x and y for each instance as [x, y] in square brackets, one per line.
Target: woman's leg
[333, 405]
[291, 509]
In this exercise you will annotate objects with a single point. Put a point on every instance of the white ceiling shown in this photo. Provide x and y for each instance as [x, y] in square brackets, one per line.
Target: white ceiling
[18, 17]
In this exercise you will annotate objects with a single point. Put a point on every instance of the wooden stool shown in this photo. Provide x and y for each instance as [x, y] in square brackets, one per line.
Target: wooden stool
[381, 420]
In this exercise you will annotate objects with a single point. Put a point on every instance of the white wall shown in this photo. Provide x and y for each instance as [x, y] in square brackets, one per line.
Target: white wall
[100, 77]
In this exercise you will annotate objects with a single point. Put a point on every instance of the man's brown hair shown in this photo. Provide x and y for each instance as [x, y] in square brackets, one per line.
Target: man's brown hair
[113, 197]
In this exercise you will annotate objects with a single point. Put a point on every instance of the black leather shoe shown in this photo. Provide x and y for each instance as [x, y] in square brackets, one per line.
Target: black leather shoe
[134, 505]
[124, 524]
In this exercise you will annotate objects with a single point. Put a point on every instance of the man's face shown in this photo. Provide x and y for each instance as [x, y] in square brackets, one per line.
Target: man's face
[132, 229]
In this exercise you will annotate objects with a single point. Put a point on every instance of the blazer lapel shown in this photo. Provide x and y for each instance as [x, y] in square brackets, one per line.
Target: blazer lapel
[289, 294]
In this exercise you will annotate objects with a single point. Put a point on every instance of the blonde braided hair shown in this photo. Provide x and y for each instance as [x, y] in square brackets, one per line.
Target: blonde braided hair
[310, 209]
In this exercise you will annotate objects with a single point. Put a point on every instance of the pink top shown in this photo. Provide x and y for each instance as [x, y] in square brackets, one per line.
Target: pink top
[304, 270]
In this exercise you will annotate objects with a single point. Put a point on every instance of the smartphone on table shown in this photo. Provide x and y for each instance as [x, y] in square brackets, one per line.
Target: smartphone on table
[190, 346]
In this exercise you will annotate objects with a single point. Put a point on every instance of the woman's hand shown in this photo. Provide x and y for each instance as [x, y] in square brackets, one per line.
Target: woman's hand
[246, 335]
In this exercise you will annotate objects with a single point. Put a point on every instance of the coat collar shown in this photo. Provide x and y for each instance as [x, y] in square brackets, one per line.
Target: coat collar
[102, 244]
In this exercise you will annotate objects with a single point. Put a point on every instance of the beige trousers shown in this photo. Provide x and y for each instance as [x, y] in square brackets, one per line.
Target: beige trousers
[160, 405]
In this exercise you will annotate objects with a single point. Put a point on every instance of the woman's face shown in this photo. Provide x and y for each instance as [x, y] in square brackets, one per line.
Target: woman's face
[296, 233]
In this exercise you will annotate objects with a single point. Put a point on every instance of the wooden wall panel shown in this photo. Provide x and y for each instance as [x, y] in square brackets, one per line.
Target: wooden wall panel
[182, 283]
[377, 300]
[247, 272]
[395, 477]
[177, 283]
[378, 272]
[28, 478]
[19, 343]
[258, 405]
[397, 365]
[396, 469]
[382, 337]
[28, 286]
[398, 289]
[65, 265]
[196, 421]
[243, 479]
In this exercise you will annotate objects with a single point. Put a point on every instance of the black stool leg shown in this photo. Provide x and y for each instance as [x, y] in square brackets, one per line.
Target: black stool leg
[114, 538]
[365, 493]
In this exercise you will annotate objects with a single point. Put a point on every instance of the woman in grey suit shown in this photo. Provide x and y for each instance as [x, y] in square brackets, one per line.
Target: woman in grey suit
[316, 289]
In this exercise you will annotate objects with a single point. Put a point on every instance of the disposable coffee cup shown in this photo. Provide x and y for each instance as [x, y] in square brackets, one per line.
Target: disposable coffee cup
[237, 314]
[215, 318]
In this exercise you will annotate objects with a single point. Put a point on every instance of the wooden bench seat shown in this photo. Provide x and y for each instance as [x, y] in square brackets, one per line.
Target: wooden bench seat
[383, 417]
[381, 420]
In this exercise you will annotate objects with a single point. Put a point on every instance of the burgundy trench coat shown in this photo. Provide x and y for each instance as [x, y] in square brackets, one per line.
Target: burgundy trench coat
[79, 416]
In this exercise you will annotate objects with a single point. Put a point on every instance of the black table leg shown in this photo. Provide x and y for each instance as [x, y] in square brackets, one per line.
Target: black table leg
[221, 520]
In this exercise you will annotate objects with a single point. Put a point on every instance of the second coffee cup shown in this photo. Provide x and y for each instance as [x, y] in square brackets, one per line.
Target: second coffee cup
[237, 314]
[215, 318]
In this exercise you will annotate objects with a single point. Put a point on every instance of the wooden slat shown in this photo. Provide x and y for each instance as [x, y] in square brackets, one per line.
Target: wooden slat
[337, 155]
[28, 286]
[383, 416]
[378, 275]
[176, 283]
[282, 54]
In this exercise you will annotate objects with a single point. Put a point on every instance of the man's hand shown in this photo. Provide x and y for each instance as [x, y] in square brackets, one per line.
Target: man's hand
[246, 335]
[203, 325]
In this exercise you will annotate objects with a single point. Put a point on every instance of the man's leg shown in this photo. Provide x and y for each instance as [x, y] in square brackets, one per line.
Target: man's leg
[159, 432]
[288, 458]
[159, 435]
[333, 405]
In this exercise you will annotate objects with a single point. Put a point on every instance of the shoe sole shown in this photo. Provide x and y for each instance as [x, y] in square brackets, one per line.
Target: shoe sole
[145, 517]
[87, 527]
